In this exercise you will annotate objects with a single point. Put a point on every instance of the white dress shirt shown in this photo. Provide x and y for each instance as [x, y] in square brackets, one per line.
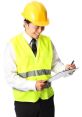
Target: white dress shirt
[11, 70]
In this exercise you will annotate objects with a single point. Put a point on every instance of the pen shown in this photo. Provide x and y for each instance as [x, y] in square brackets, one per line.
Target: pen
[72, 62]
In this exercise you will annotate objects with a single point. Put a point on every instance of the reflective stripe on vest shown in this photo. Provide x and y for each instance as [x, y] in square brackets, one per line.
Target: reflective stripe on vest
[35, 73]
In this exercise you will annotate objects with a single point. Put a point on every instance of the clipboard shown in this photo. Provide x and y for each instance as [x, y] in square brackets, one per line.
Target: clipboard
[63, 73]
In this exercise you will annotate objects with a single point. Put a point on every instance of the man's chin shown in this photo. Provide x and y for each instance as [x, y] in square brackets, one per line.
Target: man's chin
[36, 37]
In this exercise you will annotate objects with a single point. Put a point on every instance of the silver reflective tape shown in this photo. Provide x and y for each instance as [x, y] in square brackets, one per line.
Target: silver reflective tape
[35, 73]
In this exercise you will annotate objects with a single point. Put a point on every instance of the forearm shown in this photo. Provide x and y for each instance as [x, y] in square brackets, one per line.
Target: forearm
[20, 83]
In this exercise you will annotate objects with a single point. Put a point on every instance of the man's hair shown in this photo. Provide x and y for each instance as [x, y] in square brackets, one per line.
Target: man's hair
[27, 21]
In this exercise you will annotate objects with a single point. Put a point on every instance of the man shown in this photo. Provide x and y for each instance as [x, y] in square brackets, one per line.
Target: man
[30, 58]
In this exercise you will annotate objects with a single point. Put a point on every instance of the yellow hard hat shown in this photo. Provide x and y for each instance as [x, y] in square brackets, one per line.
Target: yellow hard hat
[36, 13]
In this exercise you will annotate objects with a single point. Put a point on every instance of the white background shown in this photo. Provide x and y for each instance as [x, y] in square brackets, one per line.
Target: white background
[65, 30]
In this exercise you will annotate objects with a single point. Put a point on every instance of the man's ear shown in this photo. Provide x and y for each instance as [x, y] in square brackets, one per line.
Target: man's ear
[25, 24]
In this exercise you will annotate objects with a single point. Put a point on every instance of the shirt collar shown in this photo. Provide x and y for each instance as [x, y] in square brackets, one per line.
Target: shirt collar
[27, 37]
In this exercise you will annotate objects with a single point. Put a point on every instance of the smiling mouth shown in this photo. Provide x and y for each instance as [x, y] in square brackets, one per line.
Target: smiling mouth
[37, 34]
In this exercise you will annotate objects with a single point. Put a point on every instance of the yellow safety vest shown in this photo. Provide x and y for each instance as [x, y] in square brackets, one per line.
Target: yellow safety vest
[33, 68]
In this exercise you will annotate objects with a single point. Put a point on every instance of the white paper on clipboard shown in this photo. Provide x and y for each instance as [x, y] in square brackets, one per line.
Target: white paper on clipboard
[63, 73]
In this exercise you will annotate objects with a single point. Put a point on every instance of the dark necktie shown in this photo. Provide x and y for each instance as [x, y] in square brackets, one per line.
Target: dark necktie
[33, 46]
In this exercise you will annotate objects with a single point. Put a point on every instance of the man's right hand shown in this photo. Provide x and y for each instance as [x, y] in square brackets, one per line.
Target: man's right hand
[40, 84]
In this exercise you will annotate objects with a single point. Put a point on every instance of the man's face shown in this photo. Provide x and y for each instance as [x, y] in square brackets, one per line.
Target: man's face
[33, 31]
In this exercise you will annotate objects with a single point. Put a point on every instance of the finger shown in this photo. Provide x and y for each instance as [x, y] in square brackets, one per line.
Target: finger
[73, 66]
